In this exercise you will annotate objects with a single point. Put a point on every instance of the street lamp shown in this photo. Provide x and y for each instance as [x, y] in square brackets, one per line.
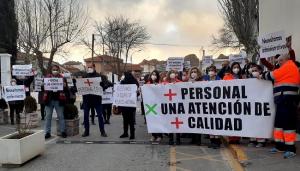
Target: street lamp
[131, 58]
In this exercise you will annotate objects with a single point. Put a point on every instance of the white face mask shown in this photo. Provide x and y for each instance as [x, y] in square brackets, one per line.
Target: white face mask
[194, 75]
[122, 78]
[172, 75]
[54, 72]
[255, 74]
[211, 73]
[235, 70]
[153, 77]
[90, 70]
[250, 70]
[13, 83]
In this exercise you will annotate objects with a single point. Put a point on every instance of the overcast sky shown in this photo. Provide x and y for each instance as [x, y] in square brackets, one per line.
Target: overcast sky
[183, 22]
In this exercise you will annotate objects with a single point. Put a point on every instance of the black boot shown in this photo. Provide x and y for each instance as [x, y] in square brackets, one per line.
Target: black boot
[103, 133]
[132, 133]
[212, 142]
[125, 135]
[178, 141]
[86, 133]
[171, 139]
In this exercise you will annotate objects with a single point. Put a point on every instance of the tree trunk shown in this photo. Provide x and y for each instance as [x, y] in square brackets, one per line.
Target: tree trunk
[53, 51]
[40, 60]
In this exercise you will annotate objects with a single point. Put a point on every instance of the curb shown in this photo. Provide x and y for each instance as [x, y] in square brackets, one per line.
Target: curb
[238, 152]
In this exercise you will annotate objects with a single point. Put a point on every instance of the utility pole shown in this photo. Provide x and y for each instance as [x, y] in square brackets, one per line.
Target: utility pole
[93, 41]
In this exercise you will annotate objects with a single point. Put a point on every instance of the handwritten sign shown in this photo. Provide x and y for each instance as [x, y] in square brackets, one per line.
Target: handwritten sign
[272, 44]
[89, 86]
[38, 82]
[22, 70]
[125, 95]
[13, 93]
[53, 84]
[107, 97]
[175, 63]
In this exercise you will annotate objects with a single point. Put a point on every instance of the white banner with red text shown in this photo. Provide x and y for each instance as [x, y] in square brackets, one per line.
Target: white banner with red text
[242, 107]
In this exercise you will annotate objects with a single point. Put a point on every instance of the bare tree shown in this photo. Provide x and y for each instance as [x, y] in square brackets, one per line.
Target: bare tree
[241, 25]
[119, 36]
[49, 25]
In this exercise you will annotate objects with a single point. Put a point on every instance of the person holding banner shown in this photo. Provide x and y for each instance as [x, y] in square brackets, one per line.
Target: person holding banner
[15, 107]
[194, 74]
[26, 81]
[128, 113]
[154, 79]
[55, 99]
[171, 78]
[286, 86]
[235, 72]
[215, 141]
[91, 101]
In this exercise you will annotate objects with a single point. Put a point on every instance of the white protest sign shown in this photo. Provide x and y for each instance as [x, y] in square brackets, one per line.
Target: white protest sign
[207, 61]
[89, 86]
[53, 84]
[13, 93]
[125, 95]
[229, 108]
[22, 70]
[237, 58]
[107, 97]
[272, 44]
[187, 64]
[175, 63]
[38, 82]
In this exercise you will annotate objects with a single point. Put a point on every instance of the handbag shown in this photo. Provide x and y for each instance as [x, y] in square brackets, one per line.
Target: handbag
[116, 110]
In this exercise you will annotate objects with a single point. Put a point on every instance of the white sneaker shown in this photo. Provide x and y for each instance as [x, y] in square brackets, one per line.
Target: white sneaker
[158, 139]
[152, 139]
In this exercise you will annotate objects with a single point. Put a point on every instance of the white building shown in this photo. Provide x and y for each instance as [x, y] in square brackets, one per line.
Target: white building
[277, 15]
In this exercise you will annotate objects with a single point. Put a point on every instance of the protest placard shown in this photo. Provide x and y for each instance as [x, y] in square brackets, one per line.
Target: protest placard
[53, 84]
[13, 93]
[207, 61]
[38, 82]
[89, 86]
[175, 63]
[125, 95]
[187, 64]
[237, 58]
[229, 108]
[107, 97]
[22, 70]
[272, 44]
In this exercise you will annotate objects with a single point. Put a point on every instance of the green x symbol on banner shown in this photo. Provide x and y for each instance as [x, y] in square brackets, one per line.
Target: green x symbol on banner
[151, 109]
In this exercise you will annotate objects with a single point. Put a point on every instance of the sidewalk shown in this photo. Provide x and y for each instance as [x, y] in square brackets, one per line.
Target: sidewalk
[259, 159]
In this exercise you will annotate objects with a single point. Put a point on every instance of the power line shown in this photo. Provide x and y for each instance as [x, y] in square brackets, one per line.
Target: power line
[170, 44]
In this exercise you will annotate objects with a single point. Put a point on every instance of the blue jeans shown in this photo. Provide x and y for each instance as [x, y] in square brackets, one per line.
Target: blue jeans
[60, 114]
[86, 111]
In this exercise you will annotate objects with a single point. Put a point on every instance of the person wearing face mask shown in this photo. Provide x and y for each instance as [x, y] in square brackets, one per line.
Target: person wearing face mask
[91, 101]
[215, 141]
[195, 75]
[55, 99]
[15, 107]
[185, 76]
[235, 72]
[171, 78]
[212, 74]
[154, 79]
[286, 97]
[128, 113]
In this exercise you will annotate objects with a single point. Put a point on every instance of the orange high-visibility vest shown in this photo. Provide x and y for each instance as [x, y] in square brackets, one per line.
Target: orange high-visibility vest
[286, 79]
